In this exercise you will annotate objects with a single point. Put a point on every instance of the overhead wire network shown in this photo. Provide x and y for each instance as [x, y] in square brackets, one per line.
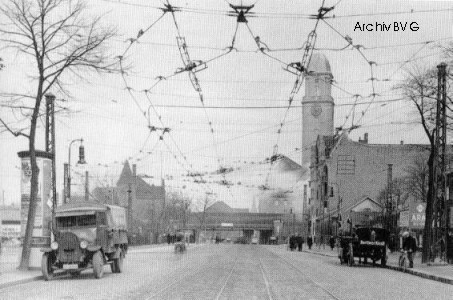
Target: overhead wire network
[300, 69]
[265, 50]
[129, 89]
[192, 67]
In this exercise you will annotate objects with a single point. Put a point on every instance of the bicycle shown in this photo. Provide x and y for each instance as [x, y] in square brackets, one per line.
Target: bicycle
[403, 261]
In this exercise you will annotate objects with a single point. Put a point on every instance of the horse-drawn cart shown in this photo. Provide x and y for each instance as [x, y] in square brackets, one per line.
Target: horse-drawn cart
[366, 243]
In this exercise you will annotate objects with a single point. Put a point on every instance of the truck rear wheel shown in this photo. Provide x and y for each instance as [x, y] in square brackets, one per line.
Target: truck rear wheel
[98, 265]
[46, 266]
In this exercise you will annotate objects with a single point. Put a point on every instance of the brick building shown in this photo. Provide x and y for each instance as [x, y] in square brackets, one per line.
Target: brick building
[348, 177]
[148, 202]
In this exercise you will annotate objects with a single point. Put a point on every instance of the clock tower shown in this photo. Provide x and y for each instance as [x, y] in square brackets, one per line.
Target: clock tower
[317, 105]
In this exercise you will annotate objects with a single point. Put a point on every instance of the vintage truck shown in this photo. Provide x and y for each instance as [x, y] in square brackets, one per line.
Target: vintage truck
[86, 235]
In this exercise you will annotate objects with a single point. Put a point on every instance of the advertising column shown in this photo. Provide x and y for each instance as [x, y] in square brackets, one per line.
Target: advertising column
[43, 216]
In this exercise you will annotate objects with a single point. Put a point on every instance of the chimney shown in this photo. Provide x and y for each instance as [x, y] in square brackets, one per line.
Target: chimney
[365, 138]
[134, 170]
[402, 142]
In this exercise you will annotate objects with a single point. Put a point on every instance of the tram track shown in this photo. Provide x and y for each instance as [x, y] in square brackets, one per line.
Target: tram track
[298, 270]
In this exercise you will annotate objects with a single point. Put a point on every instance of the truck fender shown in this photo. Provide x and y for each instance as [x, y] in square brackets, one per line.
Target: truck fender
[93, 248]
[46, 250]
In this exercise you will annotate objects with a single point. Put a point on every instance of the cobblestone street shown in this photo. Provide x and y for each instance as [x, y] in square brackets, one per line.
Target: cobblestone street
[229, 271]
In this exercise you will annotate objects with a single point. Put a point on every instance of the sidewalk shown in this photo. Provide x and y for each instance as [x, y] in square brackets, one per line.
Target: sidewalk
[438, 272]
[10, 258]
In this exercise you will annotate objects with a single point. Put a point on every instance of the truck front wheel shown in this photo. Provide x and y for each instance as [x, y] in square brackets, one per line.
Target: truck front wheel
[46, 266]
[98, 265]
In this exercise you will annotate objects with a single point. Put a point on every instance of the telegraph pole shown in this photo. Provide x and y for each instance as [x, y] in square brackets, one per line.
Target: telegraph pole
[87, 186]
[439, 208]
[389, 195]
[50, 148]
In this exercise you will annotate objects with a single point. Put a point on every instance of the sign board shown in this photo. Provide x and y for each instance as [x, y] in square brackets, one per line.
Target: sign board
[404, 219]
[226, 224]
[417, 215]
[43, 211]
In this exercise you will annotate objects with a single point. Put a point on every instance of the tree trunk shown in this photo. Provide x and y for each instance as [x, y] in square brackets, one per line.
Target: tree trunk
[427, 232]
[26, 245]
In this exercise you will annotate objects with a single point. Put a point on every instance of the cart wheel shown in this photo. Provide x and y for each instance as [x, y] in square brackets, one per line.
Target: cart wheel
[383, 261]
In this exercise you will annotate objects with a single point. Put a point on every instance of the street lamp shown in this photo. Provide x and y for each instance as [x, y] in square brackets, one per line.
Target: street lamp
[81, 161]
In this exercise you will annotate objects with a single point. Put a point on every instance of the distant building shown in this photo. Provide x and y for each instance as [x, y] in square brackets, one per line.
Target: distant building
[283, 195]
[222, 207]
[347, 178]
[10, 222]
[148, 201]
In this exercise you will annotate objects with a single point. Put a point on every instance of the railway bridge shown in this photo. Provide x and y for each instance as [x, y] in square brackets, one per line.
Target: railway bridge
[234, 225]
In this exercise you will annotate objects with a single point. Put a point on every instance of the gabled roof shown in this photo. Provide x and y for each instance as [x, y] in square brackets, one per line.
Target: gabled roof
[126, 176]
[367, 205]
[219, 206]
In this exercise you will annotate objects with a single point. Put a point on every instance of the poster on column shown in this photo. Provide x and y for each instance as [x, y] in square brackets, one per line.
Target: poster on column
[40, 225]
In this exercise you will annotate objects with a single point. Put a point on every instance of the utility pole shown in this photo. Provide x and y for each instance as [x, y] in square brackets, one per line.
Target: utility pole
[389, 202]
[50, 148]
[87, 187]
[129, 208]
[439, 208]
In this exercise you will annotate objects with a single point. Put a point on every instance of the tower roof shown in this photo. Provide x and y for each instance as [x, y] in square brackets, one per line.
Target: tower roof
[319, 64]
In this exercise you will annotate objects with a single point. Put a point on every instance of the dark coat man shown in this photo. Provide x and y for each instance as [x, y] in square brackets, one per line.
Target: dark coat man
[309, 242]
[292, 242]
[332, 242]
[300, 242]
[409, 245]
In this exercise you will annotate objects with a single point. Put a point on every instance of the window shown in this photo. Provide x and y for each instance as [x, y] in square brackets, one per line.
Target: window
[76, 221]
[346, 165]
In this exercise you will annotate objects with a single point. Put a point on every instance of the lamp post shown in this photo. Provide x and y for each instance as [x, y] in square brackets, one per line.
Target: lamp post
[81, 161]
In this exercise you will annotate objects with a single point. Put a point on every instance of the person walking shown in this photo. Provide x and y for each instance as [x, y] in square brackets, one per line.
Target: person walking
[300, 242]
[309, 242]
[332, 242]
[409, 245]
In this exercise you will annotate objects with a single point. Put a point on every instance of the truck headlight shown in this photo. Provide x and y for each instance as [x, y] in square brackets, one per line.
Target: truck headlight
[83, 244]
[54, 245]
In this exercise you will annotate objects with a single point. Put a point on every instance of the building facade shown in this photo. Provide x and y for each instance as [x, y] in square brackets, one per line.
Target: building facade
[147, 203]
[349, 177]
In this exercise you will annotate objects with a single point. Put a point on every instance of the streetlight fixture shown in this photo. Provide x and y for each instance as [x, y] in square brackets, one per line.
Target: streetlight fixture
[81, 161]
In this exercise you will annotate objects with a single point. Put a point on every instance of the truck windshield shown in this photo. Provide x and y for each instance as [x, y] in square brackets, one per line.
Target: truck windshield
[76, 221]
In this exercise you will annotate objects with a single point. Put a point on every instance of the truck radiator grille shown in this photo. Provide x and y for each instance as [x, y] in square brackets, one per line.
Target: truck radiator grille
[69, 249]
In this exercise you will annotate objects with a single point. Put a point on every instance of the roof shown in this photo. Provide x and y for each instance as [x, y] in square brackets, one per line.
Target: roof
[126, 176]
[319, 64]
[81, 206]
[219, 206]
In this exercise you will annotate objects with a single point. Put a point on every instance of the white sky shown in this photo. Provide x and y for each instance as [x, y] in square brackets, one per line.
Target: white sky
[114, 128]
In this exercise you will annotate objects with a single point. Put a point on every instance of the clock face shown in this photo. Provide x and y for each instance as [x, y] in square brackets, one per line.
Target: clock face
[316, 110]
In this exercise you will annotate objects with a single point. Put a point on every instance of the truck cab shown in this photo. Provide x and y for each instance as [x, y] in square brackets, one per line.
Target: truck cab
[87, 235]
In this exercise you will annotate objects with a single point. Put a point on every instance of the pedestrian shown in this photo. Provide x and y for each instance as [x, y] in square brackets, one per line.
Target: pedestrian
[309, 242]
[168, 238]
[332, 242]
[300, 241]
[292, 242]
[409, 245]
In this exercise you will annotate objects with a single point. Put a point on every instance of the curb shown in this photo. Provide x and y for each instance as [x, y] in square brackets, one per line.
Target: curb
[421, 274]
[399, 269]
[21, 281]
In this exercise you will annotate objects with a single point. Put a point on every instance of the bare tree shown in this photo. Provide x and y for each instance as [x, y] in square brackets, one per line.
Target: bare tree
[416, 180]
[420, 87]
[59, 40]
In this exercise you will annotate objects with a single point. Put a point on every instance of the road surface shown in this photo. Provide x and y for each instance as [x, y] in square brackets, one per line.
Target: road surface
[229, 271]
